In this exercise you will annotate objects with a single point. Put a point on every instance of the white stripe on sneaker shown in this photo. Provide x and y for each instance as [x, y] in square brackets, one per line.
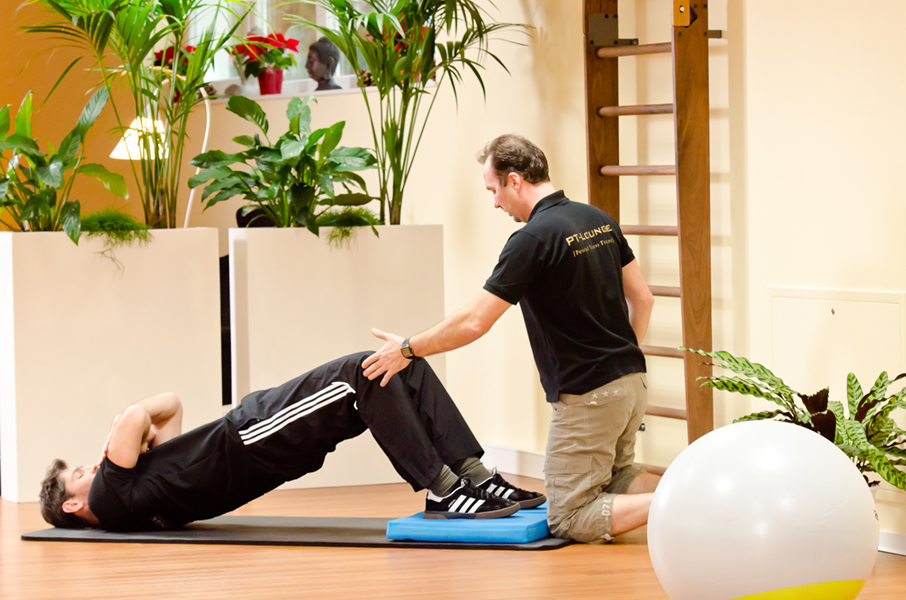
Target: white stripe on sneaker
[508, 492]
[465, 507]
[475, 506]
[456, 504]
[491, 488]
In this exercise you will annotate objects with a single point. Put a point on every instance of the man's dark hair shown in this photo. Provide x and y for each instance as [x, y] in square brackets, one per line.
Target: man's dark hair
[53, 495]
[513, 153]
[328, 53]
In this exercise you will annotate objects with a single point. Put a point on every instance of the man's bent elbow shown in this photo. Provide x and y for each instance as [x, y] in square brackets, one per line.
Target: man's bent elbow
[474, 329]
[175, 402]
[135, 413]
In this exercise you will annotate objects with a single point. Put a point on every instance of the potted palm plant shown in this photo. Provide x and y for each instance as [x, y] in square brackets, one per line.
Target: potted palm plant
[399, 46]
[163, 90]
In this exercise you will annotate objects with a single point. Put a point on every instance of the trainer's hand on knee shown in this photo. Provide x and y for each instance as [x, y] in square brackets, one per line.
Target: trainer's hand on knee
[388, 361]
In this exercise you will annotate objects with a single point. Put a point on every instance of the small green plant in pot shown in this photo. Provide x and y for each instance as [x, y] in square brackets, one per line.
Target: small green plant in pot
[863, 428]
[117, 228]
[293, 180]
[35, 186]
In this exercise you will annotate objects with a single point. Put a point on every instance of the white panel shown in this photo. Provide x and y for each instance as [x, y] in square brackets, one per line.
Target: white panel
[820, 336]
[91, 337]
[308, 302]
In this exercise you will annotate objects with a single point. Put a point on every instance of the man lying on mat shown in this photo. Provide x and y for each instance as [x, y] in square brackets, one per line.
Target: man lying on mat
[153, 476]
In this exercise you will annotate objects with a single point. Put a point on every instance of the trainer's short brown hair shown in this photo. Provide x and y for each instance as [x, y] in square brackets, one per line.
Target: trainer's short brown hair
[512, 153]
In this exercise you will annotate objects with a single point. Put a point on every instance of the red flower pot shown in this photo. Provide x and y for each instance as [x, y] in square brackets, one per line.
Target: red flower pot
[270, 81]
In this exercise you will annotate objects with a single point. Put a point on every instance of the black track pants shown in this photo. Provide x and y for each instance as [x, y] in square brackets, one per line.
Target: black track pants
[288, 430]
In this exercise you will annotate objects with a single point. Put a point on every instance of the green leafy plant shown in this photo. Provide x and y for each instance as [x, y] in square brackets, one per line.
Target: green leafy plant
[863, 428]
[128, 32]
[396, 45]
[121, 227]
[35, 186]
[291, 179]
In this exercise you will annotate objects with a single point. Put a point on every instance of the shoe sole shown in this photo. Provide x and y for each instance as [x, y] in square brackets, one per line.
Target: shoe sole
[490, 514]
[532, 503]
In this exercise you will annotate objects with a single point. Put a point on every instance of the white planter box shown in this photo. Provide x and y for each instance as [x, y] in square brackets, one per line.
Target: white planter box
[81, 338]
[297, 302]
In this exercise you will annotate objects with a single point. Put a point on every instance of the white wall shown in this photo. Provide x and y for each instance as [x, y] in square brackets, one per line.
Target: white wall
[823, 137]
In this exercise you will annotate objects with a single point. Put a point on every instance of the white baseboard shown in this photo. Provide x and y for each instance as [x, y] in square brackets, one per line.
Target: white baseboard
[894, 543]
[514, 462]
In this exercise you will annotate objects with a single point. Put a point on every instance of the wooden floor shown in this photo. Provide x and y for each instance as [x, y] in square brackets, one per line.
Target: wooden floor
[620, 571]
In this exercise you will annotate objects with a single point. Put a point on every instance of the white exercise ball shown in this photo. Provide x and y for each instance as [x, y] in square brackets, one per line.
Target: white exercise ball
[762, 510]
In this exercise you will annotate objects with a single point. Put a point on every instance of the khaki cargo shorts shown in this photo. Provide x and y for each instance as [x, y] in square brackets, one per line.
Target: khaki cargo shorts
[590, 450]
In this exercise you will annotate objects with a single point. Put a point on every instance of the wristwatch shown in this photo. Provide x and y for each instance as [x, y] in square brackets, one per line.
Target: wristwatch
[406, 351]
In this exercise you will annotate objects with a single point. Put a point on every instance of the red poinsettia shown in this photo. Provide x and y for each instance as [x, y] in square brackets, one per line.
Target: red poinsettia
[164, 58]
[270, 52]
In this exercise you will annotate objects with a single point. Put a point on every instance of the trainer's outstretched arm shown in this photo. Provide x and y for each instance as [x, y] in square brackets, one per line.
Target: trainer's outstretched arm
[459, 329]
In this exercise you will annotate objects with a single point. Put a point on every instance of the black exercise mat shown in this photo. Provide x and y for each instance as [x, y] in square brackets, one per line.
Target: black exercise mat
[279, 531]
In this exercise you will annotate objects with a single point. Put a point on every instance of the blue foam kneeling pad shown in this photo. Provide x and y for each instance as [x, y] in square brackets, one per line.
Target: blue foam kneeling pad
[521, 528]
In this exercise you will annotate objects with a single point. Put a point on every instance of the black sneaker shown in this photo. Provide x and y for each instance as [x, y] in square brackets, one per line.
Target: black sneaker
[499, 486]
[468, 502]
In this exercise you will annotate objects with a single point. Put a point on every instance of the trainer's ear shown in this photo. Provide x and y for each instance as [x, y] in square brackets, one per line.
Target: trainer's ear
[73, 505]
[514, 179]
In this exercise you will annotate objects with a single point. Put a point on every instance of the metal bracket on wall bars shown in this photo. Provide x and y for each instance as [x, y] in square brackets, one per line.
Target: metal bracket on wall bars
[603, 30]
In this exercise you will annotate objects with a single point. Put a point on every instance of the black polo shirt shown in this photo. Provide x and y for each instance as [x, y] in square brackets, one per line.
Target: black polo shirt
[565, 269]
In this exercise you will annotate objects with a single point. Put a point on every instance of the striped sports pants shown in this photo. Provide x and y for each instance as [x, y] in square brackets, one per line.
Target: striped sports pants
[288, 430]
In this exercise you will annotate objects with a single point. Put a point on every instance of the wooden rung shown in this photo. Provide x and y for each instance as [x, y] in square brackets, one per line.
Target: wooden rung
[616, 170]
[662, 351]
[665, 291]
[653, 469]
[650, 230]
[642, 109]
[669, 413]
[615, 51]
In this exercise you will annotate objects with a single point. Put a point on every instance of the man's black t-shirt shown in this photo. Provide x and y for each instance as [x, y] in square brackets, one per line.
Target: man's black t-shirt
[565, 268]
[213, 469]
[198, 475]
